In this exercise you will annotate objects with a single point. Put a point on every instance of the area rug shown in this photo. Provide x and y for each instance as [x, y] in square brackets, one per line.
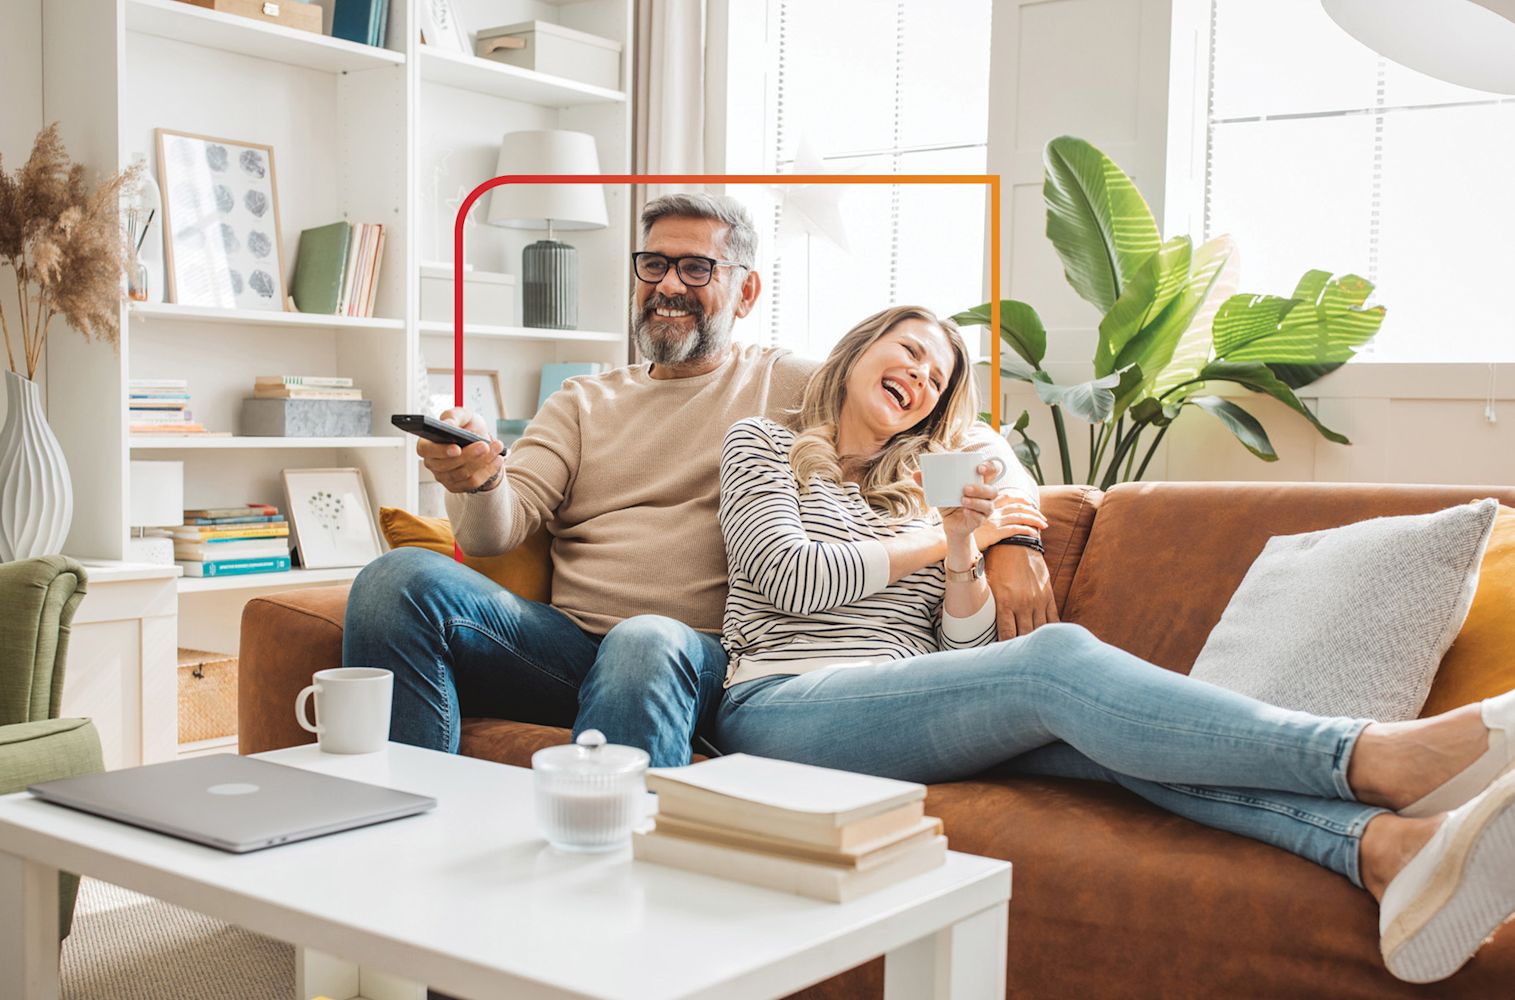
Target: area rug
[126, 946]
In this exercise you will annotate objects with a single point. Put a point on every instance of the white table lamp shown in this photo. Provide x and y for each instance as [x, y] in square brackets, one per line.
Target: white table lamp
[156, 501]
[549, 268]
[1467, 42]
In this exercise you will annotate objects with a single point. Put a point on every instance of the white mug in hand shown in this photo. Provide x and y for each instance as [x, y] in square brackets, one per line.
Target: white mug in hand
[352, 709]
[945, 473]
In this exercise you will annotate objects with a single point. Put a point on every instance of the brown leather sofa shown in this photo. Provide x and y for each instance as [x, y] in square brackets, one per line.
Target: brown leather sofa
[1113, 897]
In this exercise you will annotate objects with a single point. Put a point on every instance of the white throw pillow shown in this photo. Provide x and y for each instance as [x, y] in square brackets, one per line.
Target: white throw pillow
[1351, 621]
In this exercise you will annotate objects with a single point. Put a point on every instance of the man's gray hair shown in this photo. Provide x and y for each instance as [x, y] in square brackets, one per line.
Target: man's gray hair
[741, 237]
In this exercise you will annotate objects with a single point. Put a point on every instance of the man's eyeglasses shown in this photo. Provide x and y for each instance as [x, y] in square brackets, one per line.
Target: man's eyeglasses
[694, 272]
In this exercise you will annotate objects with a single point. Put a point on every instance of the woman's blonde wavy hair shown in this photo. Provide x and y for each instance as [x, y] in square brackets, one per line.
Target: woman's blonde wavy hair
[888, 482]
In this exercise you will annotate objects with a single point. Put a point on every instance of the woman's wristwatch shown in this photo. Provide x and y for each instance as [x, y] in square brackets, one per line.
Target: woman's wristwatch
[966, 575]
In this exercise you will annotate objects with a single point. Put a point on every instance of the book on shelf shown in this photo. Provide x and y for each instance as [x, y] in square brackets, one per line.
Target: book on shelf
[174, 428]
[235, 567]
[235, 519]
[361, 21]
[775, 798]
[307, 381]
[160, 418]
[304, 392]
[206, 532]
[833, 883]
[320, 264]
[156, 403]
[246, 510]
[219, 550]
[154, 384]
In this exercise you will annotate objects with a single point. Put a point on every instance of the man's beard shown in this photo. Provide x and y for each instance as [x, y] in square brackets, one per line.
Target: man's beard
[661, 342]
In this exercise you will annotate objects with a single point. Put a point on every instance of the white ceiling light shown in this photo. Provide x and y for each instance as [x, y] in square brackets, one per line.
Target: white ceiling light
[1467, 42]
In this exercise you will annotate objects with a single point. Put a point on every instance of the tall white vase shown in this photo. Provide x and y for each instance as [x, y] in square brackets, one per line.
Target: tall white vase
[36, 498]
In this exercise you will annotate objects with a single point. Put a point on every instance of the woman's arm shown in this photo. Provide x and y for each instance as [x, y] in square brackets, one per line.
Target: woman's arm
[766, 540]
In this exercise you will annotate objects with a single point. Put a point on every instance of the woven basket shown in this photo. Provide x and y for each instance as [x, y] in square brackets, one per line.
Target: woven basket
[207, 695]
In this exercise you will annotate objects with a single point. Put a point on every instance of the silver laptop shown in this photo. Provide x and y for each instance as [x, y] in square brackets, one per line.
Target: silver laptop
[237, 804]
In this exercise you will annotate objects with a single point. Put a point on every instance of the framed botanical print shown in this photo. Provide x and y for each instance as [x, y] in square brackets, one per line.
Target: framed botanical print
[331, 523]
[481, 393]
[222, 241]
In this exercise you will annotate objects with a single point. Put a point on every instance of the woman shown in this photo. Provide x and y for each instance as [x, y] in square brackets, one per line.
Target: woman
[860, 632]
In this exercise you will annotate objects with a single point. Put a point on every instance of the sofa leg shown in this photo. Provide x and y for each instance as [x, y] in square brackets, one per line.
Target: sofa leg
[28, 929]
[963, 962]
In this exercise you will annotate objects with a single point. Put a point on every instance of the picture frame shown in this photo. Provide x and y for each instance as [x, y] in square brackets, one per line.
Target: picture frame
[330, 521]
[223, 242]
[481, 392]
[440, 26]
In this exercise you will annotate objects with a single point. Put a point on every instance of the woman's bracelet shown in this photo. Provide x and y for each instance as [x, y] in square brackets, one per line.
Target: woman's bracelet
[1029, 541]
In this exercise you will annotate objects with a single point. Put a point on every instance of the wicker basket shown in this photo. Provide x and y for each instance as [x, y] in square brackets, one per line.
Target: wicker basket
[207, 695]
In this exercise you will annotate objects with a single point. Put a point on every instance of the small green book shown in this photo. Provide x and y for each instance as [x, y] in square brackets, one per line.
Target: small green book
[319, 268]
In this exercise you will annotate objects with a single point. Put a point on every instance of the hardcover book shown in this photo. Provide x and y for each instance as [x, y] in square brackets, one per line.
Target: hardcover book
[320, 266]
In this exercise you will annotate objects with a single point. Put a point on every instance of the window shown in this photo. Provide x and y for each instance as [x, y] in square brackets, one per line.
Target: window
[871, 87]
[1323, 154]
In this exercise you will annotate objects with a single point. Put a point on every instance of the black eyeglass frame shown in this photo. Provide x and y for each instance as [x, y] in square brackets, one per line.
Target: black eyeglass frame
[674, 263]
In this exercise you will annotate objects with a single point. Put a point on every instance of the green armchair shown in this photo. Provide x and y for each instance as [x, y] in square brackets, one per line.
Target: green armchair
[38, 598]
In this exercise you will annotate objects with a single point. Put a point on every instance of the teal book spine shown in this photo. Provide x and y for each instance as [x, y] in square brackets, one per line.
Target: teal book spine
[236, 567]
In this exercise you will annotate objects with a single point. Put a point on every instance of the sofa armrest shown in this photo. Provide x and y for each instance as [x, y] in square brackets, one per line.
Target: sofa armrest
[286, 637]
[40, 597]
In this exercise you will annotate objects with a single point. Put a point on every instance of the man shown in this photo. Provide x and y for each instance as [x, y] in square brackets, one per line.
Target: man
[622, 468]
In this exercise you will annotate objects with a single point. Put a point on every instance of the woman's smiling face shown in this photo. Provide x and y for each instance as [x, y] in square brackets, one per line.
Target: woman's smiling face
[899, 379]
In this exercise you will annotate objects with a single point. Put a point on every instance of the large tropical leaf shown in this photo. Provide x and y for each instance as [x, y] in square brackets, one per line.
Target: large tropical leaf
[1257, 377]
[1241, 423]
[1194, 347]
[1092, 401]
[1296, 376]
[1097, 221]
[1153, 348]
[1323, 323]
[1019, 327]
[1146, 295]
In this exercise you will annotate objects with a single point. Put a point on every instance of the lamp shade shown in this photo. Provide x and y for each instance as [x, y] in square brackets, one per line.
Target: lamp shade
[157, 494]
[533, 206]
[1467, 42]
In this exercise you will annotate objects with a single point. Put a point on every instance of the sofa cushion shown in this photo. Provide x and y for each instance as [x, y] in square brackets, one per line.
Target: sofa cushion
[1163, 559]
[1070, 512]
[525, 571]
[1351, 621]
[286, 637]
[1480, 665]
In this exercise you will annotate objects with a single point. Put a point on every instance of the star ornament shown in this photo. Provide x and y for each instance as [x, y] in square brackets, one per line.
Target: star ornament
[807, 210]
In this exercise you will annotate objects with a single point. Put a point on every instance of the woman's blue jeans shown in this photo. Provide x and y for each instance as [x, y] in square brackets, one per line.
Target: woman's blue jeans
[461, 645]
[1060, 702]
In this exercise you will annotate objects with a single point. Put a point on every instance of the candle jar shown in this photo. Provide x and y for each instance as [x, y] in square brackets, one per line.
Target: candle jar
[589, 794]
[136, 285]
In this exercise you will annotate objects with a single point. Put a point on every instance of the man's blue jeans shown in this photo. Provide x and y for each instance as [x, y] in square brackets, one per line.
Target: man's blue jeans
[461, 645]
[1058, 701]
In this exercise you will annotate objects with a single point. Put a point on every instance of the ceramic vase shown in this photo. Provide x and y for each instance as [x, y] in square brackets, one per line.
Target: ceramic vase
[36, 498]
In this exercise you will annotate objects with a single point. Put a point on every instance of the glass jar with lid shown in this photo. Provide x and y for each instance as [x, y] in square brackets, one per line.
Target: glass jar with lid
[590, 793]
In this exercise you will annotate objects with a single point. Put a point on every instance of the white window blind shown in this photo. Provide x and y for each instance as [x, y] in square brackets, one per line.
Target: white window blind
[872, 87]
[1323, 154]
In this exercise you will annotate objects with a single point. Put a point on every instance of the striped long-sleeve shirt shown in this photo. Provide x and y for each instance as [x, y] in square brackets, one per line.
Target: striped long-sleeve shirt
[809, 575]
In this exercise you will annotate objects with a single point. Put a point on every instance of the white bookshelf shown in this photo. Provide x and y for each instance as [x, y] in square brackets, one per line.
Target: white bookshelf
[362, 134]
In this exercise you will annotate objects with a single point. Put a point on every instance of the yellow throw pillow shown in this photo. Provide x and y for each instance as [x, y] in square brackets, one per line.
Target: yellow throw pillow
[1481, 662]
[525, 571]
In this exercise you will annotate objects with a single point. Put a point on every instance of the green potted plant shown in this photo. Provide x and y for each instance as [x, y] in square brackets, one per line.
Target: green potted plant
[62, 239]
[1172, 327]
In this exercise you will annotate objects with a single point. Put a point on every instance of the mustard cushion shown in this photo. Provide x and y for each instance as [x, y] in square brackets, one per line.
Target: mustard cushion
[525, 571]
[1481, 662]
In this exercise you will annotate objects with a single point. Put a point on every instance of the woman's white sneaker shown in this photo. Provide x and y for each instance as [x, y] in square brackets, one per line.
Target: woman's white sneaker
[1499, 715]
[1455, 892]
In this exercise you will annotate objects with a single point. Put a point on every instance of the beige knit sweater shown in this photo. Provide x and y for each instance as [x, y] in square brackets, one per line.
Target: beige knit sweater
[624, 469]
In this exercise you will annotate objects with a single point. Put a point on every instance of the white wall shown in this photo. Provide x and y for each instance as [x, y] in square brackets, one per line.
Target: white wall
[21, 83]
[1105, 70]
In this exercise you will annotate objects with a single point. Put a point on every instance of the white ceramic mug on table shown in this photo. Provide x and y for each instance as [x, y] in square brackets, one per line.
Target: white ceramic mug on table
[352, 708]
[945, 473]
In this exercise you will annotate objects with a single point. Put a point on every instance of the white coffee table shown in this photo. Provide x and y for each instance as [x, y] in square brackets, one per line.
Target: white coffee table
[470, 900]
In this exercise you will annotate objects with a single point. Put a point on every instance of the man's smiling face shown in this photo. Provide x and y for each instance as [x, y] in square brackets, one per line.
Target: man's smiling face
[672, 323]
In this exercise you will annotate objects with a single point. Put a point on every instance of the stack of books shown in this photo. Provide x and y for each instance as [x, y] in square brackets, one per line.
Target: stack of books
[337, 269]
[227, 541]
[305, 387]
[812, 831]
[160, 406]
